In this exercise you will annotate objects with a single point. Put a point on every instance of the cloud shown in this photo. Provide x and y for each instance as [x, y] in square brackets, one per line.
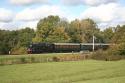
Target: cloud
[29, 17]
[102, 13]
[6, 15]
[87, 2]
[18, 25]
[110, 14]
[29, 2]
[31, 24]
[72, 2]
[30, 14]
[98, 2]
[9, 26]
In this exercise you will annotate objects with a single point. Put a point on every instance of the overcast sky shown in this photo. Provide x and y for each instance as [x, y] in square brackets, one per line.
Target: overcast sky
[16, 14]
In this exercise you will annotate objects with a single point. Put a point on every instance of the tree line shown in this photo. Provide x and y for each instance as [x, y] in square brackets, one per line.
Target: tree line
[53, 29]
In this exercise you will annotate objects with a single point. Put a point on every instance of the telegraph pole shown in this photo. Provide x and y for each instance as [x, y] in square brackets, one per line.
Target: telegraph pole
[93, 43]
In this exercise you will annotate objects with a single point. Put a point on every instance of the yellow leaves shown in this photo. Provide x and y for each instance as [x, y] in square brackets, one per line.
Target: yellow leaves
[37, 39]
[60, 34]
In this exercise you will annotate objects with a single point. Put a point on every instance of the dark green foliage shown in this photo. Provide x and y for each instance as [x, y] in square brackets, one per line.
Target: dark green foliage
[15, 40]
[25, 36]
[7, 41]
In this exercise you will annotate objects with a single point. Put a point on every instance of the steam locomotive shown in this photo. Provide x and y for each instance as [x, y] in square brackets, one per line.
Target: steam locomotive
[36, 48]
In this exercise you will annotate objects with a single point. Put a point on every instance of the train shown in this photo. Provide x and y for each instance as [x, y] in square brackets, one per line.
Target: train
[37, 48]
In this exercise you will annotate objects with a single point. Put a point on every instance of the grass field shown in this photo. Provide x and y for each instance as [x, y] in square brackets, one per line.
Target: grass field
[35, 55]
[39, 58]
[88, 71]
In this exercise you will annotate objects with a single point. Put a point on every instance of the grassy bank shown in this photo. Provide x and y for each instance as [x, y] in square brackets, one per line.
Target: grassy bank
[88, 71]
[38, 58]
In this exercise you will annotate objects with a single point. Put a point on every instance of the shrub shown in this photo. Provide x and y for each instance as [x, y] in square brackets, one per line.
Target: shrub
[56, 59]
[23, 60]
[109, 55]
[117, 49]
[19, 50]
[121, 49]
[2, 62]
[32, 59]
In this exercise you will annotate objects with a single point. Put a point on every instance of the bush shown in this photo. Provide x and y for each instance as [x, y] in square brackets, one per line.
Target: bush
[19, 50]
[56, 59]
[118, 49]
[121, 49]
[75, 57]
[23, 60]
[2, 62]
[32, 59]
[109, 55]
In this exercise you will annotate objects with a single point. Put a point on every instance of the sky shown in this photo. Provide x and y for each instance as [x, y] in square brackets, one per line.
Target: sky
[17, 14]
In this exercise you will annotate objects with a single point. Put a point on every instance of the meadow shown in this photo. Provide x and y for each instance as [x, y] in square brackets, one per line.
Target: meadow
[39, 58]
[86, 71]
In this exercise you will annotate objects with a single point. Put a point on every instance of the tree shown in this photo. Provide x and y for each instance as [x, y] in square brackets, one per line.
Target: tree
[89, 28]
[24, 39]
[83, 31]
[25, 36]
[118, 40]
[50, 29]
[8, 39]
[59, 35]
[46, 26]
[108, 34]
[75, 32]
[119, 35]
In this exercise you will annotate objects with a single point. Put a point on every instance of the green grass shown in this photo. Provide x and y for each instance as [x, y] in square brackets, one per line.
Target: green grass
[88, 71]
[34, 55]
[28, 58]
